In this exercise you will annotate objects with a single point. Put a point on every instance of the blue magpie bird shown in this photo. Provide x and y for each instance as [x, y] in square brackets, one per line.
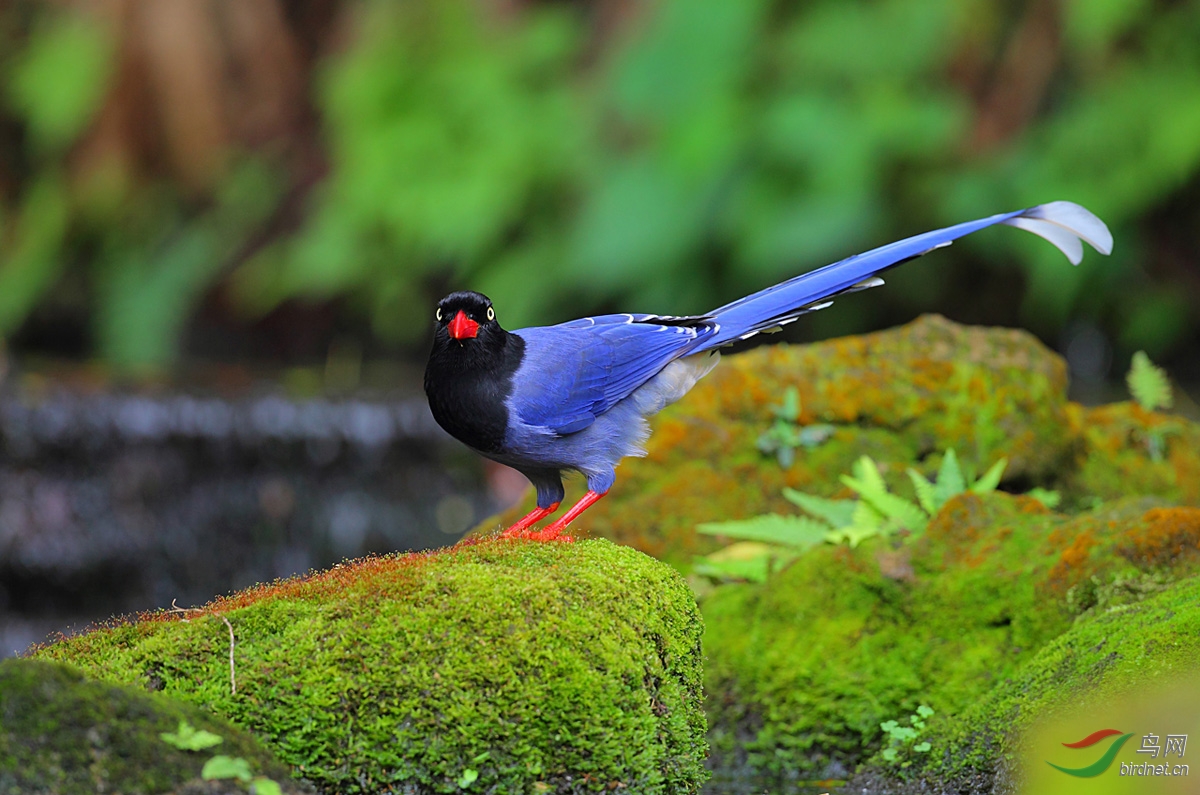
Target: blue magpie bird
[575, 397]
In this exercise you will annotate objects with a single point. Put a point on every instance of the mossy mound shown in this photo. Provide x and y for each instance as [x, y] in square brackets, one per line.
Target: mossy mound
[63, 734]
[901, 396]
[803, 668]
[504, 666]
[1128, 450]
[1111, 651]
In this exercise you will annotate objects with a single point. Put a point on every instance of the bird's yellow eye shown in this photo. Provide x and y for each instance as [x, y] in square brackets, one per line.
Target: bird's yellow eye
[439, 313]
[491, 313]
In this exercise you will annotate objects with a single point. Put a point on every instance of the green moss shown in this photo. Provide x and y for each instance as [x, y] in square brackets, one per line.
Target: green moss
[1128, 450]
[1122, 649]
[64, 734]
[804, 668]
[542, 667]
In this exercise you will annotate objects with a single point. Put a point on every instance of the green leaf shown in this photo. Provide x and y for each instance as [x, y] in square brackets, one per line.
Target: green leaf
[854, 534]
[950, 480]
[149, 288]
[867, 474]
[751, 561]
[790, 408]
[221, 766]
[891, 506]
[811, 436]
[991, 478]
[265, 786]
[32, 257]
[922, 748]
[838, 513]
[467, 778]
[793, 531]
[188, 738]
[866, 517]
[59, 81]
[1149, 383]
[733, 570]
[926, 495]
[1046, 497]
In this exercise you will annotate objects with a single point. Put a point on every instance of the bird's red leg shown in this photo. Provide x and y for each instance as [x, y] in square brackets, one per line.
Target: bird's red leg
[554, 530]
[529, 520]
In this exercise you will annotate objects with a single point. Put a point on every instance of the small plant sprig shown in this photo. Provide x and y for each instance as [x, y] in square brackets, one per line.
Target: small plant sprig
[470, 775]
[902, 740]
[1148, 383]
[188, 738]
[1150, 387]
[786, 434]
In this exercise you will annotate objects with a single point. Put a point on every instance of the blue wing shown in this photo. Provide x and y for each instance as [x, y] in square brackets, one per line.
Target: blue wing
[574, 372]
[1062, 223]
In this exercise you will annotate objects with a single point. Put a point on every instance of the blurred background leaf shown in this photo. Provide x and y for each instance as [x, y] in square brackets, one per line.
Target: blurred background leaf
[262, 179]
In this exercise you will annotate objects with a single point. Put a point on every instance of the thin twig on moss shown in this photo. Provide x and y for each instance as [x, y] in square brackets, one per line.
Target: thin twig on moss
[232, 678]
[174, 608]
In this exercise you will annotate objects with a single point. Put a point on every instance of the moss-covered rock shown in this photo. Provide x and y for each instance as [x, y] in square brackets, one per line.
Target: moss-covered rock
[803, 668]
[503, 666]
[62, 734]
[1127, 450]
[1112, 650]
[901, 396]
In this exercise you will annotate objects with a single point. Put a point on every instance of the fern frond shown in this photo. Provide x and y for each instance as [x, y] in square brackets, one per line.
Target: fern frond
[1148, 383]
[838, 513]
[991, 478]
[799, 532]
[866, 473]
[926, 495]
[888, 505]
[950, 480]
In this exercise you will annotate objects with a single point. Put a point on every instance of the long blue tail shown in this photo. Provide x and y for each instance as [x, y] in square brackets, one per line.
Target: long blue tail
[1064, 224]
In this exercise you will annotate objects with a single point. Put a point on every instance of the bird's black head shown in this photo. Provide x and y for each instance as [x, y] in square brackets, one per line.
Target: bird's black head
[471, 369]
[464, 316]
[467, 334]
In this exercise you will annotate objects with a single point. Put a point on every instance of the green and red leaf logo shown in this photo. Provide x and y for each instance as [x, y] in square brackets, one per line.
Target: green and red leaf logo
[1101, 764]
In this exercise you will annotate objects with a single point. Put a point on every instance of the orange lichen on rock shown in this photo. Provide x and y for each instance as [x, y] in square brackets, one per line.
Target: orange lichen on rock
[1165, 537]
[1071, 565]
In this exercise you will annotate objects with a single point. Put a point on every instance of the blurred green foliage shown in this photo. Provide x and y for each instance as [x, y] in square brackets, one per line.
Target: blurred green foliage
[692, 153]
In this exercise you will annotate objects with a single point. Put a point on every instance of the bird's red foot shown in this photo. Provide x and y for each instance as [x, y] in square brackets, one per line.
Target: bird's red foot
[521, 528]
[554, 530]
[546, 535]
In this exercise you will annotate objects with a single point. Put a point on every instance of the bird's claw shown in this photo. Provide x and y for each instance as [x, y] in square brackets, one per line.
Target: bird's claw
[549, 534]
[543, 536]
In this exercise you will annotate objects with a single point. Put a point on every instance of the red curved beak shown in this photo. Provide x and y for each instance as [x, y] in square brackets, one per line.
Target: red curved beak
[462, 327]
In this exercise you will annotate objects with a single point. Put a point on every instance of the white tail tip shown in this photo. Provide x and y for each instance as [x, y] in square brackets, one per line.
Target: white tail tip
[1065, 224]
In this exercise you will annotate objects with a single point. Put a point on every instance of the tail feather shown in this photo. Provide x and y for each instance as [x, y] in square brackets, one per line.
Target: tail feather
[1065, 224]
[1062, 223]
